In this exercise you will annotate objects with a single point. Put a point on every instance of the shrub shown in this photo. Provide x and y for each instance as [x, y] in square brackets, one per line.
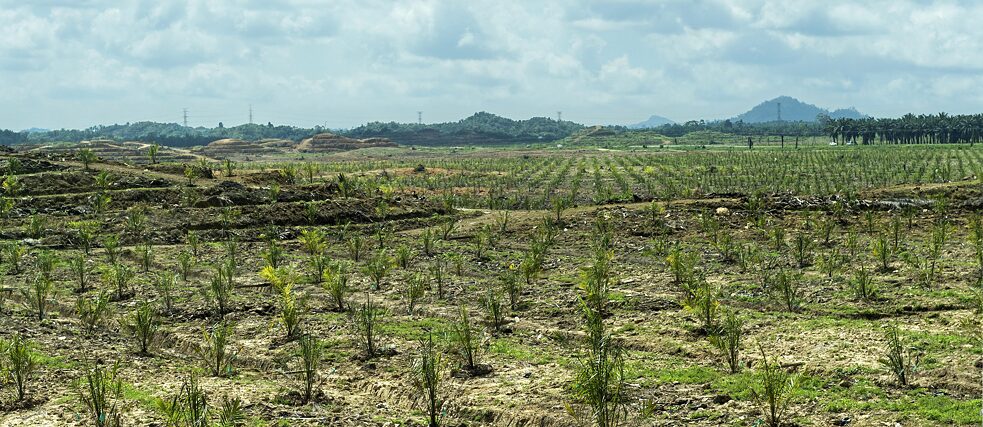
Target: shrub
[900, 358]
[773, 390]
[87, 157]
[216, 352]
[681, 264]
[231, 413]
[427, 379]
[45, 262]
[803, 250]
[92, 311]
[312, 240]
[728, 340]
[290, 310]
[310, 350]
[601, 378]
[830, 262]
[101, 392]
[22, 362]
[481, 241]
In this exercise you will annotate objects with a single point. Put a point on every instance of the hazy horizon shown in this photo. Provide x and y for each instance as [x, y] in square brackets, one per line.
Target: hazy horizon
[73, 64]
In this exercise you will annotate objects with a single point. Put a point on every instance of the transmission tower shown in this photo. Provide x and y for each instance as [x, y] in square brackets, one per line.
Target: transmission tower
[559, 116]
[250, 113]
[779, 111]
[419, 117]
[185, 117]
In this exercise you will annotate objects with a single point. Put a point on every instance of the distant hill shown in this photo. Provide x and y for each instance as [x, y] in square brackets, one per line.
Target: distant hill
[479, 129]
[652, 122]
[793, 110]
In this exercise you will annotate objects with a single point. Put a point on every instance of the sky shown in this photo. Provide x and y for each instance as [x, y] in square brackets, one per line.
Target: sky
[340, 63]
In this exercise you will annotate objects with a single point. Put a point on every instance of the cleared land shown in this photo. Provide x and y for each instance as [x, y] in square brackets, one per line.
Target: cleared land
[820, 251]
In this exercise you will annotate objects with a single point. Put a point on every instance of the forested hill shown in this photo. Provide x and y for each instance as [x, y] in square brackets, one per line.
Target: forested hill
[480, 129]
[171, 134]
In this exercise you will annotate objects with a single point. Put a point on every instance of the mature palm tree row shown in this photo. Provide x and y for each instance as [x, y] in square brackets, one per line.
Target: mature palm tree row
[911, 129]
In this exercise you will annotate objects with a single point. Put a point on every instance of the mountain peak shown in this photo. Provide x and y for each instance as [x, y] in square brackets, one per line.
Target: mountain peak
[653, 121]
[787, 108]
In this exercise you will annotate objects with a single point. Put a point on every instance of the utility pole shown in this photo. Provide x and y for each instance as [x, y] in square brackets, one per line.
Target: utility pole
[419, 117]
[185, 117]
[250, 113]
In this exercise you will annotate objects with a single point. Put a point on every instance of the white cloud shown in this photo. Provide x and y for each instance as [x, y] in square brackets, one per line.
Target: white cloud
[77, 63]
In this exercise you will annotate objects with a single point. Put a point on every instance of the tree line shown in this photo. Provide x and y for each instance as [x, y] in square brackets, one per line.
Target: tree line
[939, 128]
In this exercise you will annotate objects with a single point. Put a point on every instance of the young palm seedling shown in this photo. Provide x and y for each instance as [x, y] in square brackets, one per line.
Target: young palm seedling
[492, 301]
[38, 295]
[367, 319]
[186, 264]
[728, 340]
[426, 376]
[465, 341]
[145, 326]
[92, 311]
[164, 283]
[216, 351]
[863, 284]
[79, 266]
[437, 273]
[118, 276]
[415, 288]
[100, 391]
[336, 282]
[786, 289]
[773, 391]
[22, 363]
[900, 357]
[310, 349]
[377, 268]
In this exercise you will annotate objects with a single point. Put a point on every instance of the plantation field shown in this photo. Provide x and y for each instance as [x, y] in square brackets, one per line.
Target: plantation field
[514, 287]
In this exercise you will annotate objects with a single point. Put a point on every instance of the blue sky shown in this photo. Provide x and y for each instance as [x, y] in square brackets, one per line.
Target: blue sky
[74, 63]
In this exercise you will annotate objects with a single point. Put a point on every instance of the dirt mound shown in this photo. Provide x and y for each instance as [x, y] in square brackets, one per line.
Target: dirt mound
[327, 142]
[20, 165]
